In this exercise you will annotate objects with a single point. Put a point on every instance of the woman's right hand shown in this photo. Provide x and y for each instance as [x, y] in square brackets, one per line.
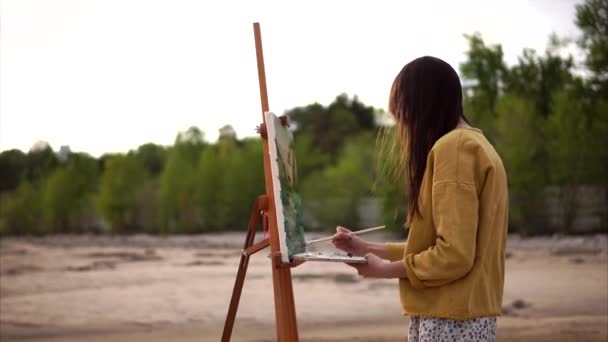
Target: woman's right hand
[351, 244]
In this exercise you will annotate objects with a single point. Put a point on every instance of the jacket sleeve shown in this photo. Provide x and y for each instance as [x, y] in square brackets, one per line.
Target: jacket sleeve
[455, 216]
[395, 251]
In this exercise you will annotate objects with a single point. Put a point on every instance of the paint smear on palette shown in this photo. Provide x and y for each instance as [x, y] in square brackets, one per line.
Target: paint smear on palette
[291, 201]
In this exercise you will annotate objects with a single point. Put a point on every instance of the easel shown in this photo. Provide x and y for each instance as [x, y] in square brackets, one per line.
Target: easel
[284, 308]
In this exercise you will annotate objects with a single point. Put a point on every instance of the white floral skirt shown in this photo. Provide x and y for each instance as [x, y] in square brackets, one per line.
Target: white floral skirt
[424, 329]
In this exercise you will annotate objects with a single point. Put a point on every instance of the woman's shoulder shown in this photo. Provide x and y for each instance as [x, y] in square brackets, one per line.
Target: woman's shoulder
[454, 140]
[460, 155]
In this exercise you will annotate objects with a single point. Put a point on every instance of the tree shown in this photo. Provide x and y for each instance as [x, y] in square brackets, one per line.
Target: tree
[233, 203]
[41, 161]
[119, 187]
[252, 184]
[190, 144]
[334, 193]
[539, 78]
[178, 205]
[67, 200]
[20, 211]
[177, 195]
[152, 157]
[208, 186]
[521, 147]
[592, 20]
[231, 176]
[310, 157]
[364, 115]
[13, 165]
[483, 75]
[567, 147]
[328, 126]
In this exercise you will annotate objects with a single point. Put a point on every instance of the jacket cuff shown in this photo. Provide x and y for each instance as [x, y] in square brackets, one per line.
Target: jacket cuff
[411, 276]
[395, 251]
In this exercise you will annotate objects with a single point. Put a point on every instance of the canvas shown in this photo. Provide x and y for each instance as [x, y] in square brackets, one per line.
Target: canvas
[288, 202]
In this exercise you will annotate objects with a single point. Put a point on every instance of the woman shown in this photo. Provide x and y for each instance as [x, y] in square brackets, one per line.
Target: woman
[451, 268]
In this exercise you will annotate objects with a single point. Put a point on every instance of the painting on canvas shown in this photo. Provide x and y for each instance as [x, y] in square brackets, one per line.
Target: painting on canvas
[287, 201]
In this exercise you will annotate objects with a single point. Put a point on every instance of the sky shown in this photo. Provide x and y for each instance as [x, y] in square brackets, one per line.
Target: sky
[110, 75]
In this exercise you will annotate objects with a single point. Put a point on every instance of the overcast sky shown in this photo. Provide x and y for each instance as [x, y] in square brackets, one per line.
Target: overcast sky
[110, 75]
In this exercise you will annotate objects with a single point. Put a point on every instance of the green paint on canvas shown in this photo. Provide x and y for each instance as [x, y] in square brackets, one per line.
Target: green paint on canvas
[290, 199]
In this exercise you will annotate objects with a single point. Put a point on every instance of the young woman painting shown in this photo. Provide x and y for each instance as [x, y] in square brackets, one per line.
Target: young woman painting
[451, 268]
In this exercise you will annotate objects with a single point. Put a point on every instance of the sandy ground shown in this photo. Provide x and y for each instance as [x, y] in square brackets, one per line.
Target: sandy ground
[143, 288]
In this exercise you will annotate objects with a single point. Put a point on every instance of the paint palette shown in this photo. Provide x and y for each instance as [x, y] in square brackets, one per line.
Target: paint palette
[335, 257]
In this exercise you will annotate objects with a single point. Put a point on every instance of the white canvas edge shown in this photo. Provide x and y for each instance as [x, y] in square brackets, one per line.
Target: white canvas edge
[276, 185]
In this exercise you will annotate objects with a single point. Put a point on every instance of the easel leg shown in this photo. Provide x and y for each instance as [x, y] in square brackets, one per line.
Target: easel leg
[285, 313]
[254, 220]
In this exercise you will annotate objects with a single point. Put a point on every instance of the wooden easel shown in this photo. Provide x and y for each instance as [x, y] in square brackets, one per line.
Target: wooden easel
[284, 308]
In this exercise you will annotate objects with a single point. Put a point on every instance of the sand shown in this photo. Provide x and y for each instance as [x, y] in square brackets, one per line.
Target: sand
[143, 288]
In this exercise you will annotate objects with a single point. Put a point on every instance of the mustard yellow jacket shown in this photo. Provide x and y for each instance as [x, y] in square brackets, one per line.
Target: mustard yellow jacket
[454, 256]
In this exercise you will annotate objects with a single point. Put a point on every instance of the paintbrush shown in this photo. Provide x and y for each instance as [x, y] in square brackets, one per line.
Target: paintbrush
[362, 231]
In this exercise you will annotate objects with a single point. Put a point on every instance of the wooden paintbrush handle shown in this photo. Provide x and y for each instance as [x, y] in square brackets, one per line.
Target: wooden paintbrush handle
[362, 231]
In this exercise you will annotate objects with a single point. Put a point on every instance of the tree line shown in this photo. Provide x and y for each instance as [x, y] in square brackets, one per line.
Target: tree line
[547, 115]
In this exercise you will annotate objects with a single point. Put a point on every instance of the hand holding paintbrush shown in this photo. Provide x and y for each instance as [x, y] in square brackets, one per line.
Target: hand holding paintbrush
[347, 240]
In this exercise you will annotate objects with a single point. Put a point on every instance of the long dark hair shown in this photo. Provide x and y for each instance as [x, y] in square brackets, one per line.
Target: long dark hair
[426, 101]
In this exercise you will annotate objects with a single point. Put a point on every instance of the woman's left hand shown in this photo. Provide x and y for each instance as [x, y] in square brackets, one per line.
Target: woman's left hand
[375, 267]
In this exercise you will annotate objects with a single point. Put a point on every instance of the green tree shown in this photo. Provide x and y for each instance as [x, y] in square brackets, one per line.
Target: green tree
[208, 185]
[576, 144]
[190, 143]
[230, 202]
[328, 127]
[177, 195]
[231, 176]
[152, 157]
[597, 170]
[41, 161]
[252, 183]
[483, 76]
[520, 147]
[310, 158]
[567, 147]
[147, 210]
[592, 20]
[13, 165]
[119, 187]
[67, 200]
[539, 78]
[20, 211]
[334, 193]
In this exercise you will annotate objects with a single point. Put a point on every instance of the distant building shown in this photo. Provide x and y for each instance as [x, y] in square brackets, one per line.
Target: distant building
[64, 153]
